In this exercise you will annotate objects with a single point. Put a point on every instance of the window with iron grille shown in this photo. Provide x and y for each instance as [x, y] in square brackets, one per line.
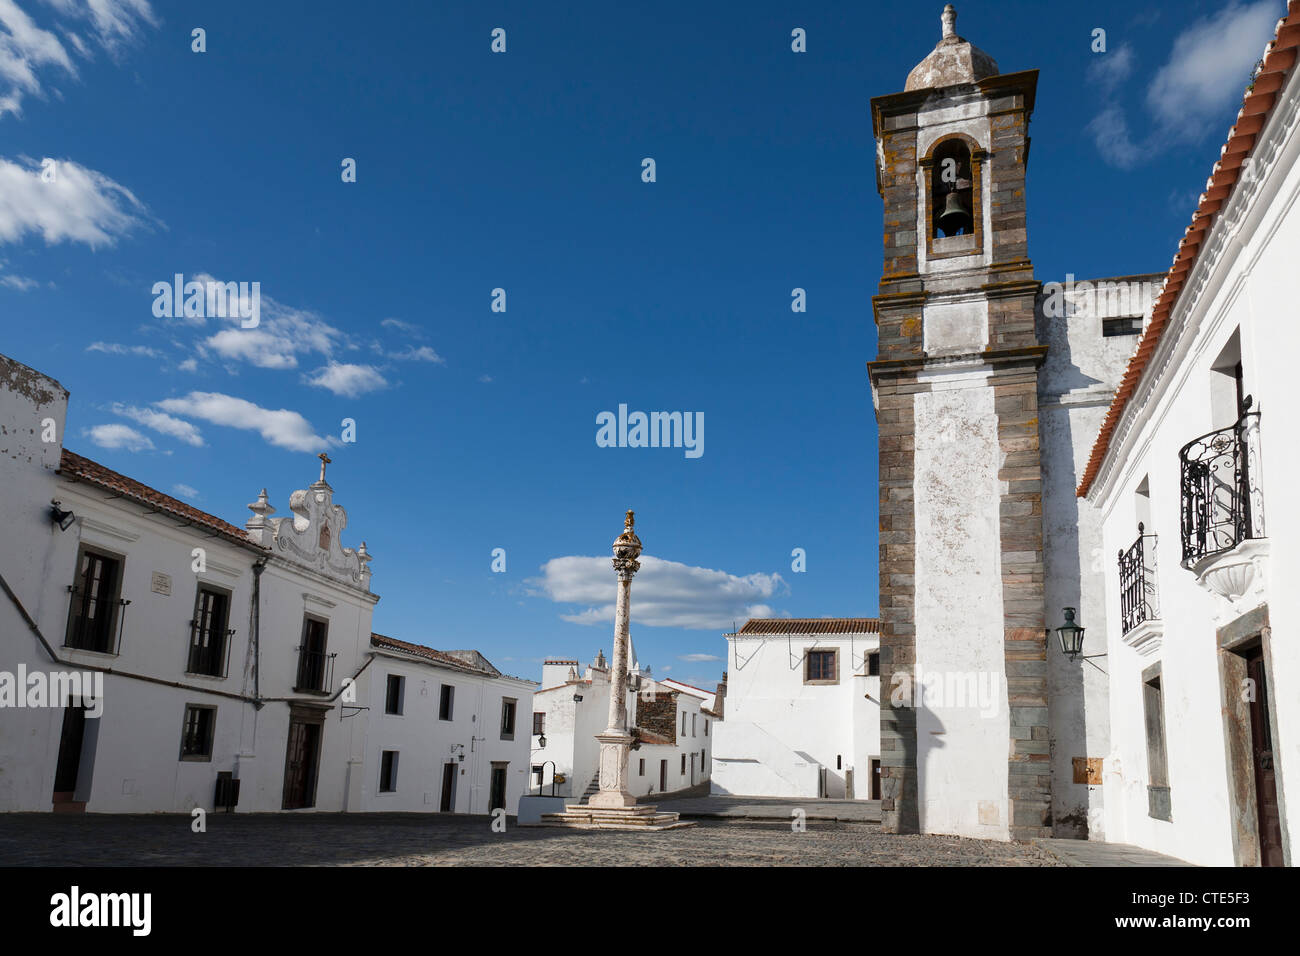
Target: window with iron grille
[820, 667]
[446, 699]
[508, 706]
[395, 695]
[209, 632]
[873, 664]
[539, 722]
[196, 735]
[95, 606]
[388, 772]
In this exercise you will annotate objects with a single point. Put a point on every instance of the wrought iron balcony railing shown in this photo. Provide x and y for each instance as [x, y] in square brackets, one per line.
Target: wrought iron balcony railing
[1138, 599]
[315, 671]
[1222, 504]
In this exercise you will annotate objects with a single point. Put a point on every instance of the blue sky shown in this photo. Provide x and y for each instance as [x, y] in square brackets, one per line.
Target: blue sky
[522, 171]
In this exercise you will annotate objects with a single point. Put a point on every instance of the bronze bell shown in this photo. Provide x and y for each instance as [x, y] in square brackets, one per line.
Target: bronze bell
[955, 217]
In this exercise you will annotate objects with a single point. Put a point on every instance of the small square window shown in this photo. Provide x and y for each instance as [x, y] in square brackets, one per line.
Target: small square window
[821, 667]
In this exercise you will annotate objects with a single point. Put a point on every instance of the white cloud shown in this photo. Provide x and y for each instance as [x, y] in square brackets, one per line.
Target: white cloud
[27, 50]
[21, 283]
[189, 365]
[279, 427]
[405, 328]
[185, 491]
[116, 348]
[668, 593]
[422, 354]
[698, 658]
[79, 205]
[161, 422]
[486, 379]
[1204, 76]
[283, 333]
[348, 380]
[1209, 67]
[118, 436]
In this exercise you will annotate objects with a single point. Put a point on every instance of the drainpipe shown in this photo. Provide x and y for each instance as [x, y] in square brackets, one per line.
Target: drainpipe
[255, 626]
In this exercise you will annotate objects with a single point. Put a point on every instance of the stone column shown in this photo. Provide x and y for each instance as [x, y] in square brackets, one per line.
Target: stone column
[615, 741]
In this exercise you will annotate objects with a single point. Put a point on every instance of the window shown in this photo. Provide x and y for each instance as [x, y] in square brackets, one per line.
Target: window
[539, 772]
[683, 723]
[873, 664]
[388, 772]
[508, 705]
[1121, 325]
[94, 609]
[196, 736]
[839, 761]
[706, 726]
[683, 763]
[313, 663]
[693, 725]
[821, 667]
[641, 768]
[445, 702]
[1158, 804]
[394, 699]
[539, 723]
[208, 632]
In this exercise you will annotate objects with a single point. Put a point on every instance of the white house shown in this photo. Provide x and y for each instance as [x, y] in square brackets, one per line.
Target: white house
[447, 731]
[672, 749]
[1191, 479]
[803, 709]
[222, 666]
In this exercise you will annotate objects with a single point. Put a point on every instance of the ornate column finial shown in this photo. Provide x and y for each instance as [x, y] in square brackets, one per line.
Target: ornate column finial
[324, 460]
[629, 520]
[949, 21]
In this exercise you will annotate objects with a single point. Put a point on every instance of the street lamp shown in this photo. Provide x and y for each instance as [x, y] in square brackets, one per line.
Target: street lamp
[1071, 635]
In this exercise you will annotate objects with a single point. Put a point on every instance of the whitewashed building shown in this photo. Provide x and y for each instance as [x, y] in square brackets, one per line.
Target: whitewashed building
[1191, 478]
[672, 747]
[447, 731]
[227, 667]
[802, 710]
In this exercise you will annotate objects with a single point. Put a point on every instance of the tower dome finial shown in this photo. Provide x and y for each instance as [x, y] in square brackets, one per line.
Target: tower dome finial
[949, 21]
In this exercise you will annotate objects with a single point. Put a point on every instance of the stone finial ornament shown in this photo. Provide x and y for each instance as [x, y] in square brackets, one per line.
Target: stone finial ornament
[949, 19]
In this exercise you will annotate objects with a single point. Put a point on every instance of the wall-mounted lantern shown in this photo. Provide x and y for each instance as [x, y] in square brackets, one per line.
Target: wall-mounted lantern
[60, 517]
[1071, 635]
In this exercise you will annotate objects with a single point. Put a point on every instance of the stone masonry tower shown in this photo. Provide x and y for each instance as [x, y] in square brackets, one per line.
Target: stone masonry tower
[963, 724]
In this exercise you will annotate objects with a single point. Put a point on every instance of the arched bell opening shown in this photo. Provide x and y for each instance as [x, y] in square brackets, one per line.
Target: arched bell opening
[952, 193]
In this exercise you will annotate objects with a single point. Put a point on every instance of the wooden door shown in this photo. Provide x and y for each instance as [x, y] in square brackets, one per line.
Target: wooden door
[300, 764]
[875, 779]
[1261, 740]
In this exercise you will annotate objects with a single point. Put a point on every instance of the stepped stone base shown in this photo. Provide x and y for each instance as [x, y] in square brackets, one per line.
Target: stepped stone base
[577, 816]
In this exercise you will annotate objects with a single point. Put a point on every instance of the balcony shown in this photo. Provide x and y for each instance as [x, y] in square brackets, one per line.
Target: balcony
[315, 672]
[1140, 625]
[1222, 519]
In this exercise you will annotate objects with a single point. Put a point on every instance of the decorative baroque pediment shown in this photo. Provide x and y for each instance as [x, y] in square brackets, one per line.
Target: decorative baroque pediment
[313, 536]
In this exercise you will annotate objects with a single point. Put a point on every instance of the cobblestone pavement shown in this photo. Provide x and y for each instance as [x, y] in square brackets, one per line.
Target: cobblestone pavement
[422, 840]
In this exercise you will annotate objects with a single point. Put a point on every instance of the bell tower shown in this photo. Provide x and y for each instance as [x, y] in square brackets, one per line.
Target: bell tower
[965, 746]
